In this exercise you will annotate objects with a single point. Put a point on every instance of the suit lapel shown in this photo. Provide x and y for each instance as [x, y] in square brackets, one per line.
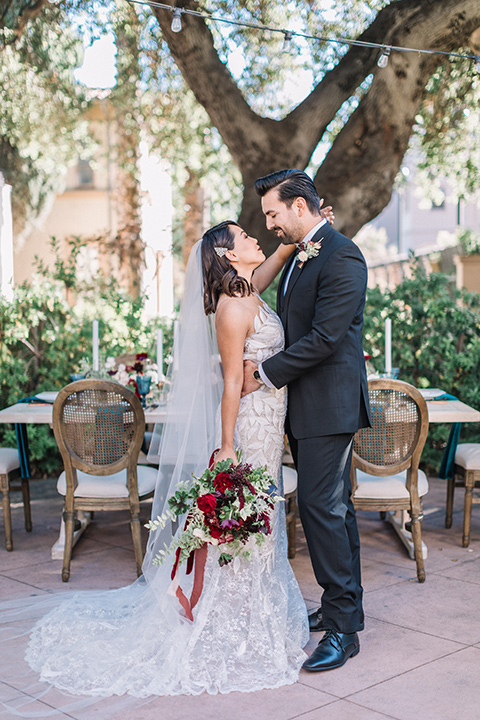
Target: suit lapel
[281, 284]
[322, 233]
[283, 300]
[296, 272]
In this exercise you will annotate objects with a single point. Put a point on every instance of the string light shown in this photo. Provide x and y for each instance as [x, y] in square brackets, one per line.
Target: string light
[382, 61]
[386, 50]
[176, 20]
[287, 42]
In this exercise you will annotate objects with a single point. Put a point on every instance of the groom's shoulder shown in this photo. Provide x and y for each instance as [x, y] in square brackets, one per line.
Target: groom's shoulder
[335, 241]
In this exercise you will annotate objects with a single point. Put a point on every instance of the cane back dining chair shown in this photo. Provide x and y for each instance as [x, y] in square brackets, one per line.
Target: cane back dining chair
[385, 474]
[290, 493]
[467, 475]
[99, 427]
[9, 475]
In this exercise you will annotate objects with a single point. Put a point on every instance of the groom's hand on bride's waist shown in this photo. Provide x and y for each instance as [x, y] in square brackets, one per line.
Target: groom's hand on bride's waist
[250, 384]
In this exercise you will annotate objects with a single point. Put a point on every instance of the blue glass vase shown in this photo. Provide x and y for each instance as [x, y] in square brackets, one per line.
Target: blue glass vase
[143, 387]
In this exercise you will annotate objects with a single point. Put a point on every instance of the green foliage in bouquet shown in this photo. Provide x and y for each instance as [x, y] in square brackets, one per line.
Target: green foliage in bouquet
[436, 343]
[46, 333]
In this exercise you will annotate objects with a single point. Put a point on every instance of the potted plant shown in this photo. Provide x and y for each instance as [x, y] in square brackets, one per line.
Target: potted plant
[468, 263]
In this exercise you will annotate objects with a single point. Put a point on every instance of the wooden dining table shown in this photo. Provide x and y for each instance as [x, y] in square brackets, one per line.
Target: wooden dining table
[41, 413]
[439, 411]
[447, 411]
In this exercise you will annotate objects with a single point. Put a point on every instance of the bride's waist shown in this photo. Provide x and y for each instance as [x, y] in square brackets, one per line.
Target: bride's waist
[266, 392]
[258, 358]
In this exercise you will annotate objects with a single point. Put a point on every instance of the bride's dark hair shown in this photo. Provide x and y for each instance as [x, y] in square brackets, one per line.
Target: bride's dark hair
[219, 276]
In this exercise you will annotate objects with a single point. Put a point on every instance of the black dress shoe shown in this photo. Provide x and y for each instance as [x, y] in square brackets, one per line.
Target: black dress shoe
[315, 621]
[332, 651]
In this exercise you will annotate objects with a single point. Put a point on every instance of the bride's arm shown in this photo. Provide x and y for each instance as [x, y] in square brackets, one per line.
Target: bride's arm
[266, 273]
[233, 322]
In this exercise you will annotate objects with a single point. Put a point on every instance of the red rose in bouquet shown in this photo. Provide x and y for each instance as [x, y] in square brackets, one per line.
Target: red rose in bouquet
[223, 481]
[207, 503]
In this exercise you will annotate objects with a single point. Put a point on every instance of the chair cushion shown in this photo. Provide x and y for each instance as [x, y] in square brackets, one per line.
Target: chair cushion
[289, 479]
[97, 486]
[8, 460]
[389, 487]
[468, 456]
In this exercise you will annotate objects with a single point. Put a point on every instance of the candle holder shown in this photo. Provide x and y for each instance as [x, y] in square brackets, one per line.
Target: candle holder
[143, 387]
[77, 376]
[393, 374]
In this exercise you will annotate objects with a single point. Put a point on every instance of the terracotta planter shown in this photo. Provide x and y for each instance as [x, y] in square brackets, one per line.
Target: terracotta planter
[468, 272]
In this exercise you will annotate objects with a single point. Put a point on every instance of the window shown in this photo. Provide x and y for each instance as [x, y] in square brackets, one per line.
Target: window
[84, 173]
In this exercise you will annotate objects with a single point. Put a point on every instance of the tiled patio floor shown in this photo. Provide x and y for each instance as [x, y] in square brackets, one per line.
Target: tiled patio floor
[420, 651]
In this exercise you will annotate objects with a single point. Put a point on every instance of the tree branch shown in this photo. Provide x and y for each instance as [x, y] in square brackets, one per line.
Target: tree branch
[256, 141]
[16, 15]
[193, 49]
[359, 171]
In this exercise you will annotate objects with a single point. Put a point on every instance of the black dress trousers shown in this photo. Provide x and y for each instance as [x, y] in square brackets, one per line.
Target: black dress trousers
[328, 518]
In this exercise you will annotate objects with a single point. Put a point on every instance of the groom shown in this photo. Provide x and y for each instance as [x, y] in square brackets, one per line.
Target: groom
[321, 296]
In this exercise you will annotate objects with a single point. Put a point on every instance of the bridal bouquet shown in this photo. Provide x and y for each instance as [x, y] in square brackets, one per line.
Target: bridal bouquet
[229, 506]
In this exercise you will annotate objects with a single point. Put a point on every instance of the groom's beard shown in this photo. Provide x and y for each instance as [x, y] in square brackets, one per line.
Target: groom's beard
[285, 237]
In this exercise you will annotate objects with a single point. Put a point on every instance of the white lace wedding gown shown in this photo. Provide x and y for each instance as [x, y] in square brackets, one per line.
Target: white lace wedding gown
[250, 623]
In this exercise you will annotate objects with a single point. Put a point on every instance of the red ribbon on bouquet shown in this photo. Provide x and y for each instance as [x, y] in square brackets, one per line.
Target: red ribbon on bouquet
[197, 560]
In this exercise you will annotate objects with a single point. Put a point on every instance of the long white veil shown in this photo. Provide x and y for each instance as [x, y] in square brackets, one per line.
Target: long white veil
[183, 444]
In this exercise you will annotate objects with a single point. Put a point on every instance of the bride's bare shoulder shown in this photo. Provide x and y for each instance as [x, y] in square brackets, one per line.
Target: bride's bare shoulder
[235, 310]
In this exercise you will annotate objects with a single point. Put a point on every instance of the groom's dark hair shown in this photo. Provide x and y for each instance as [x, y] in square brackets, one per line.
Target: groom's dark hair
[290, 185]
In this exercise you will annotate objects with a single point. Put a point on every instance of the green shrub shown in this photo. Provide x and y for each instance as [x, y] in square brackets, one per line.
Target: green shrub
[435, 343]
[43, 339]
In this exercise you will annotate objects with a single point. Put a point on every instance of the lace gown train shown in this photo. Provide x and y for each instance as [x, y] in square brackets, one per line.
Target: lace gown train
[250, 623]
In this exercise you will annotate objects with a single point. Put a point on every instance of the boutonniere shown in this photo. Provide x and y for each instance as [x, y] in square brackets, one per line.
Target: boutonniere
[308, 250]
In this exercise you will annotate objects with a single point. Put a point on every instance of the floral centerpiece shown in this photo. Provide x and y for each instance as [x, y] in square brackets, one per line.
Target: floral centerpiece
[125, 374]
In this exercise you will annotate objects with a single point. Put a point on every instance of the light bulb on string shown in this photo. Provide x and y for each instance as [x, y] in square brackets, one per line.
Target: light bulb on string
[177, 20]
[287, 43]
[382, 61]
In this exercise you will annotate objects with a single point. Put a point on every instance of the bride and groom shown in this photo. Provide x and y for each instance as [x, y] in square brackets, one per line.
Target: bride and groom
[229, 390]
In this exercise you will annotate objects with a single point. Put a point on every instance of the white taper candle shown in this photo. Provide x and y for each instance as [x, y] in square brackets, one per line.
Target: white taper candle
[95, 362]
[160, 353]
[388, 345]
[176, 328]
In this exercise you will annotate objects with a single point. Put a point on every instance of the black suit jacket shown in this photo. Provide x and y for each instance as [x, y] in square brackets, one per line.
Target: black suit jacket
[323, 362]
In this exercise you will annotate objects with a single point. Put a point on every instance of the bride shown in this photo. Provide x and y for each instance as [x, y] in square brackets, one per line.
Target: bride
[250, 623]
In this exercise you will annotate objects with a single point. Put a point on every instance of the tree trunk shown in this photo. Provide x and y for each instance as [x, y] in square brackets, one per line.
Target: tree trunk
[196, 220]
[127, 246]
[358, 174]
[16, 14]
